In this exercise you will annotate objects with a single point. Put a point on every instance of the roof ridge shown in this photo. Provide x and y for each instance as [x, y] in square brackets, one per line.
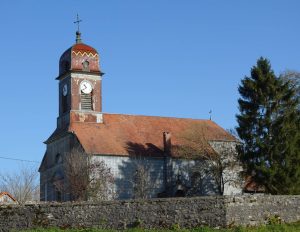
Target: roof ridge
[156, 116]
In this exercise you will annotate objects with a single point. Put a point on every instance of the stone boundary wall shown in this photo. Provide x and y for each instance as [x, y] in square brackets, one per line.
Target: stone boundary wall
[153, 213]
[259, 209]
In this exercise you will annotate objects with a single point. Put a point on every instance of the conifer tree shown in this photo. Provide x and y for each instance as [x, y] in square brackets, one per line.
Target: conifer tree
[269, 126]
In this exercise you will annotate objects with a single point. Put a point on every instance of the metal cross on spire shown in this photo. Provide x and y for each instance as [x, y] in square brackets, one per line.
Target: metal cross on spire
[78, 21]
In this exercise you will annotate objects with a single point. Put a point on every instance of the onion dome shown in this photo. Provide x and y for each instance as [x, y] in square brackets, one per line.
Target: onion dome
[79, 57]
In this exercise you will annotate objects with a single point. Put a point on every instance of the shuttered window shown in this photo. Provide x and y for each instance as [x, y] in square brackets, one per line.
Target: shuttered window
[86, 101]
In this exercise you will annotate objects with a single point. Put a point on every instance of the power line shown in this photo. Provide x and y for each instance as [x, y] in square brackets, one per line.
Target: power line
[31, 161]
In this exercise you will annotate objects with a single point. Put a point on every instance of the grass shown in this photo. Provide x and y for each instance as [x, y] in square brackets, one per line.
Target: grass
[294, 227]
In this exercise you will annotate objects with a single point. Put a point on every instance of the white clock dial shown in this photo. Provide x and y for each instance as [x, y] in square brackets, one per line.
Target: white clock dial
[65, 90]
[86, 87]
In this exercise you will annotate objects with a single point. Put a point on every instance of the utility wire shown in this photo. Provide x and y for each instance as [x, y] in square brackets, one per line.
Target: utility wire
[30, 161]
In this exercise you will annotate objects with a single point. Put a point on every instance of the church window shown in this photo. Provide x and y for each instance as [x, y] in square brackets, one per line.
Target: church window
[67, 66]
[86, 66]
[58, 159]
[58, 184]
[65, 103]
[86, 101]
[64, 66]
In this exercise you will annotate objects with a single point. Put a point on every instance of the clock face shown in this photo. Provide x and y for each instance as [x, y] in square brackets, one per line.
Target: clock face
[86, 87]
[65, 90]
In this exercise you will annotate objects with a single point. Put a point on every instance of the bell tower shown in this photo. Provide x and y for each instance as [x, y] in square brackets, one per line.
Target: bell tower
[80, 82]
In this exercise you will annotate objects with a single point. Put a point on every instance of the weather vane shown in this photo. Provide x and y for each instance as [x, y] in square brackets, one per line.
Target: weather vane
[78, 21]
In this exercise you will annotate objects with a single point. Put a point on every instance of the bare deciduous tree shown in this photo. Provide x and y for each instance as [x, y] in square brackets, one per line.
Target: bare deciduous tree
[85, 178]
[221, 164]
[225, 168]
[141, 181]
[293, 78]
[22, 185]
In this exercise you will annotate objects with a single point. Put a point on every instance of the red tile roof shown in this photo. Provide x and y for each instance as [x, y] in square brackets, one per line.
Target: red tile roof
[83, 48]
[73, 57]
[121, 134]
[7, 194]
[252, 187]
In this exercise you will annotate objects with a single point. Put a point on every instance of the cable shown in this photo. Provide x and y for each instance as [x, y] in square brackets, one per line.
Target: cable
[31, 161]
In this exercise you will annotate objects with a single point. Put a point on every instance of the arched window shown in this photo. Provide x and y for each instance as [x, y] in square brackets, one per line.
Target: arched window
[58, 159]
[66, 66]
[65, 103]
[86, 66]
[58, 186]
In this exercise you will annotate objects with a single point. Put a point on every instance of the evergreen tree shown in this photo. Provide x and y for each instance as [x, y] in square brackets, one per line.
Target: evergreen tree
[269, 126]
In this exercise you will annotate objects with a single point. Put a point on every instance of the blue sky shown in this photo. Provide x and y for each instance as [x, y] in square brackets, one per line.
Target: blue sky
[161, 57]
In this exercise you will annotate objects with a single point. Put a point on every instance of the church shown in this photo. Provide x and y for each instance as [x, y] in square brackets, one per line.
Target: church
[117, 139]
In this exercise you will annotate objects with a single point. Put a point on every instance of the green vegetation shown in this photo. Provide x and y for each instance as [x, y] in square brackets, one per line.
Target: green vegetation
[269, 128]
[295, 227]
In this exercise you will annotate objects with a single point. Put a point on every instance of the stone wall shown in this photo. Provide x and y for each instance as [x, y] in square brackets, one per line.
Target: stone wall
[259, 209]
[155, 213]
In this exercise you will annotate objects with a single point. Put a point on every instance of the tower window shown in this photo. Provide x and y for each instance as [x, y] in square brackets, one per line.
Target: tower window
[86, 66]
[67, 66]
[86, 101]
[64, 104]
[64, 66]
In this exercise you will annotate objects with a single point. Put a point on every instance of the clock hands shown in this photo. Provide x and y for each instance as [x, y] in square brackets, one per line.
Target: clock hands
[85, 87]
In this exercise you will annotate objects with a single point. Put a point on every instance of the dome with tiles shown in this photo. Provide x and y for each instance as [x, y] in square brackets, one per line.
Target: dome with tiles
[80, 57]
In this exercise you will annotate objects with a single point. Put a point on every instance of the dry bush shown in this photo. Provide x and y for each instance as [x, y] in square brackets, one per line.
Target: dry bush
[23, 184]
[85, 178]
[141, 181]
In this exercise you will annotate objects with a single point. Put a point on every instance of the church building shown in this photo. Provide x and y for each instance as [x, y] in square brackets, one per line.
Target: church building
[118, 139]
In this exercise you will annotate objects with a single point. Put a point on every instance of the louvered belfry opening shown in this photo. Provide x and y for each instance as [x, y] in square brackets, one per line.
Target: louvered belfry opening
[86, 101]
